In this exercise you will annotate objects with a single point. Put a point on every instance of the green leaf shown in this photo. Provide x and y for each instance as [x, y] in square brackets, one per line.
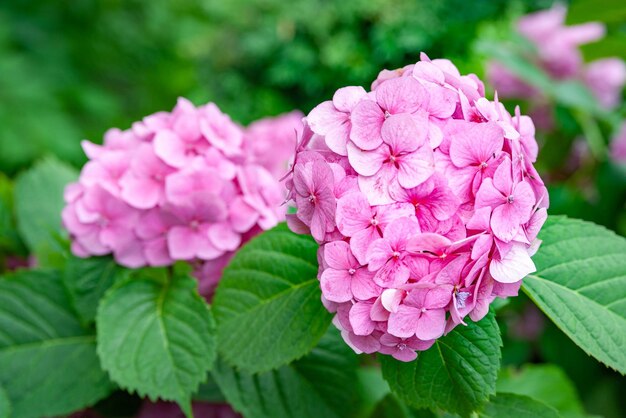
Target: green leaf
[581, 285]
[44, 349]
[457, 374]
[5, 404]
[518, 406]
[156, 338]
[321, 384]
[544, 382]
[267, 304]
[39, 201]
[209, 391]
[10, 241]
[87, 279]
[373, 388]
[392, 407]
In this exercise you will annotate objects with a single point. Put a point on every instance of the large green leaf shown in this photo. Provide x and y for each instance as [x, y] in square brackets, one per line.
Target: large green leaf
[44, 351]
[39, 201]
[581, 285]
[517, 406]
[156, 337]
[321, 384]
[457, 374]
[87, 279]
[544, 382]
[267, 304]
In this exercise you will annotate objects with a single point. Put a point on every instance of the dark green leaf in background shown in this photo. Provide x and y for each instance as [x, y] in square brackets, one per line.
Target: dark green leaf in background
[581, 285]
[156, 338]
[516, 406]
[39, 201]
[321, 384]
[457, 374]
[391, 407]
[44, 351]
[267, 304]
[543, 382]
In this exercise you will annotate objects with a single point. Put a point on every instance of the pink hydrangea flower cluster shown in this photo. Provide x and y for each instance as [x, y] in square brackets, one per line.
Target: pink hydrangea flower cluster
[187, 185]
[423, 197]
[559, 55]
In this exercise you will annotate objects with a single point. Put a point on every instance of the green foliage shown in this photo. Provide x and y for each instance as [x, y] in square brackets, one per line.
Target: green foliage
[5, 404]
[543, 382]
[582, 11]
[156, 338]
[73, 70]
[457, 374]
[44, 349]
[580, 284]
[518, 406]
[38, 204]
[267, 304]
[10, 242]
[87, 279]
[321, 384]
[392, 407]
[373, 388]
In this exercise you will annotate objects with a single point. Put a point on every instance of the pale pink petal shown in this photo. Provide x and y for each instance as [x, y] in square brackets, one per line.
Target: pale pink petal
[142, 193]
[367, 163]
[402, 133]
[353, 213]
[401, 95]
[325, 117]
[489, 196]
[223, 237]
[431, 324]
[513, 267]
[416, 167]
[338, 256]
[363, 286]
[360, 319]
[474, 143]
[335, 285]
[367, 120]
[376, 187]
[170, 148]
[181, 243]
[345, 99]
[403, 322]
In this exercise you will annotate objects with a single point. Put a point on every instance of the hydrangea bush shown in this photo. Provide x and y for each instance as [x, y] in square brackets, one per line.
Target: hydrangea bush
[424, 199]
[188, 185]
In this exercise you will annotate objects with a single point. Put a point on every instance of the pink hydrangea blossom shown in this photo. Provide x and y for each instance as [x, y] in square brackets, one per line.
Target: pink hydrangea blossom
[423, 197]
[187, 185]
[558, 54]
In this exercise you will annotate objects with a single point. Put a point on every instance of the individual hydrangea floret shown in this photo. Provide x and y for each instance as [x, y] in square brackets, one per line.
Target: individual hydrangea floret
[187, 185]
[423, 197]
[558, 54]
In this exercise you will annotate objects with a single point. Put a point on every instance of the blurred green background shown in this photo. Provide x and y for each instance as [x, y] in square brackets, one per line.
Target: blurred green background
[69, 70]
